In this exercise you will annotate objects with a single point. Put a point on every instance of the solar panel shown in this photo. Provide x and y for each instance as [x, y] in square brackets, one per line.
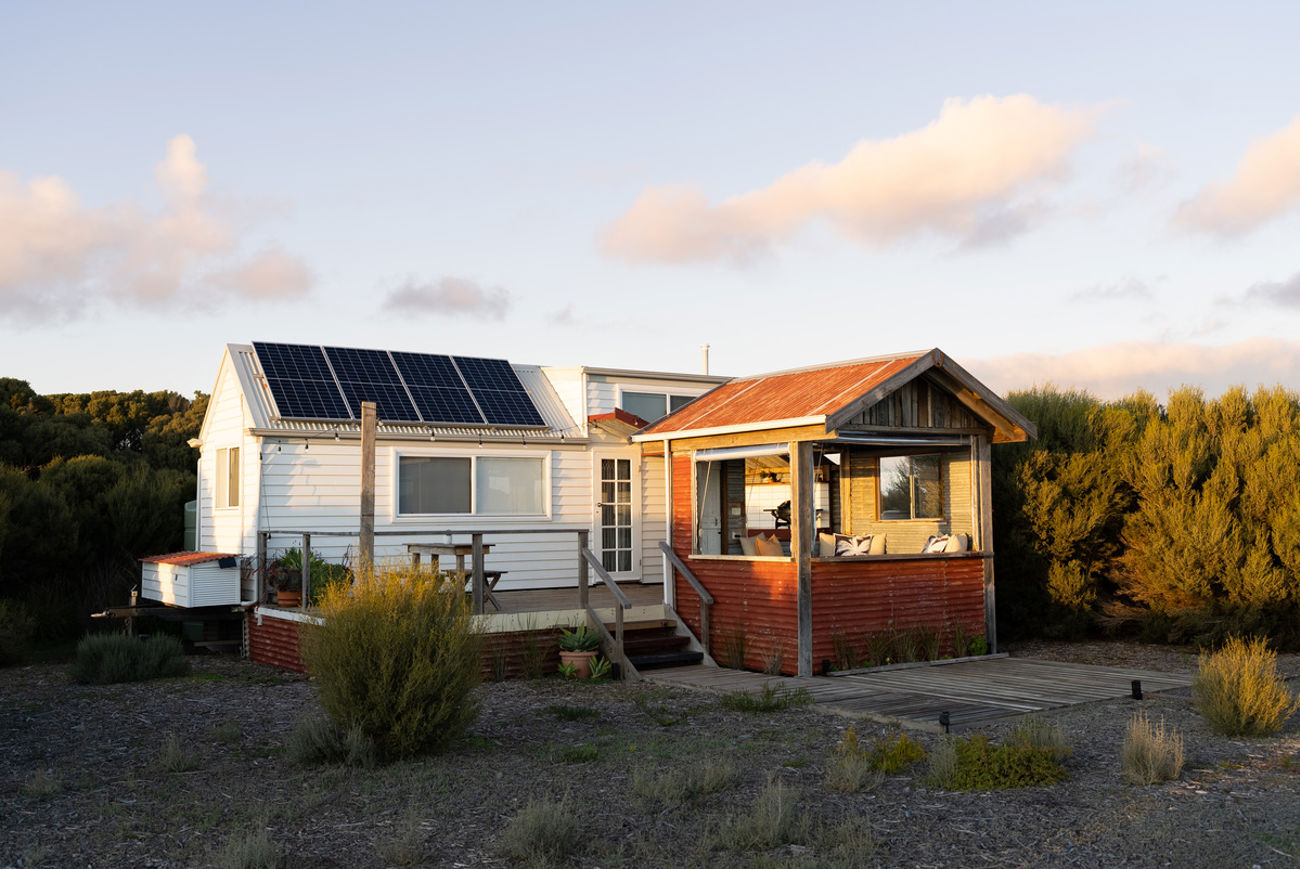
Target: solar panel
[300, 381]
[499, 393]
[438, 391]
[369, 375]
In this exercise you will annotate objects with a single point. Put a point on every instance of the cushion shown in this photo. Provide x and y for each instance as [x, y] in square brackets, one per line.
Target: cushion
[936, 543]
[747, 545]
[956, 543]
[825, 545]
[878, 544]
[847, 544]
[768, 546]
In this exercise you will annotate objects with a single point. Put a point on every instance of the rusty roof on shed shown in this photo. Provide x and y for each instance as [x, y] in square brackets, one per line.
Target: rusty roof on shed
[784, 395]
[186, 559]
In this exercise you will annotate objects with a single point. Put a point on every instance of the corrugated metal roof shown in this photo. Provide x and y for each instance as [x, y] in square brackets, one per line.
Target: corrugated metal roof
[784, 395]
[186, 559]
[539, 389]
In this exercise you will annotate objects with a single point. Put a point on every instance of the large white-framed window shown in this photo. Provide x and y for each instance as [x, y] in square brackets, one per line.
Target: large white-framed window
[227, 478]
[651, 404]
[445, 484]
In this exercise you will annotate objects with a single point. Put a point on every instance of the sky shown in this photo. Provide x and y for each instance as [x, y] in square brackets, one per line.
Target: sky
[1102, 196]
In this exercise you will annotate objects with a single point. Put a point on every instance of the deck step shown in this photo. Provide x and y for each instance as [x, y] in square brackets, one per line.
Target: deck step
[647, 625]
[665, 659]
[636, 645]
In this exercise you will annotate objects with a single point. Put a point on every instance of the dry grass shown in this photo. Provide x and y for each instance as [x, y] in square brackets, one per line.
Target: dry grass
[677, 786]
[1239, 692]
[773, 820]
[1150, 755]
[542, 834]
[250, 849]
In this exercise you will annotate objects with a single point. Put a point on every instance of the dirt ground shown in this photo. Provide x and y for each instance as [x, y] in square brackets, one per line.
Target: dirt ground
[88, 780]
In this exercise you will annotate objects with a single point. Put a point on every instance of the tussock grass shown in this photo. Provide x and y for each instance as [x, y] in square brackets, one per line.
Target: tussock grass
[772, 698]
[1238, 690]
[107, 658]
[584, 753]
[42, 785]
[404, 846]
[773, 820]
[569, 712]
[673, 787]
[250, 849]
[228, 731]
[174, 757]
[1149, 754]
[542, 834]
[396, 658]
[1037, 732]
[316, 740]
[850, 768]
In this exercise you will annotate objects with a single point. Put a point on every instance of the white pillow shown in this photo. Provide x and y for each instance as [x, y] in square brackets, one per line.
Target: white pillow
[847, 544]
[936, 543]
[747, 545]
[878, 544]
[769, 546]
[825, 544]
[956, 543]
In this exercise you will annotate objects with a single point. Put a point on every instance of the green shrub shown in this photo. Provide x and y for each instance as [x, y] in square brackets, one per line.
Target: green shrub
[979, 646]
[105, 658]
[771, 699]
[977, 764]
[579, 640]
[1150, 755]
[1239, 692]
[893, 755]
[542, 834]
[16, 629]
[397, 657]
[850, 768]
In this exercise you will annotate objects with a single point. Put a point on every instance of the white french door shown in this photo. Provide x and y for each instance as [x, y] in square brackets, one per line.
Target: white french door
[617, 532]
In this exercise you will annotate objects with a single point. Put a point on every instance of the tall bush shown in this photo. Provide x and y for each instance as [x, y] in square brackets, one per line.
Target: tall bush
[397, 656]
[1239, 692]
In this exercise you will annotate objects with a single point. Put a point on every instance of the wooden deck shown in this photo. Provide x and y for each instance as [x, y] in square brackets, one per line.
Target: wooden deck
[971, 692]
[556, 599]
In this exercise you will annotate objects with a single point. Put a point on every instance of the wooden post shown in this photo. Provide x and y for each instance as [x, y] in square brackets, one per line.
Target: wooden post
[582, 570]
[803, 529]
[476, 567]
[986, 541]
[369, 423]
[260, 586]
[306, 570]
[669, 576]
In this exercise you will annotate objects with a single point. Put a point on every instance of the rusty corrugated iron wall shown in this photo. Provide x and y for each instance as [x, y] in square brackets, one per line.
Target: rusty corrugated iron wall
[274, 642]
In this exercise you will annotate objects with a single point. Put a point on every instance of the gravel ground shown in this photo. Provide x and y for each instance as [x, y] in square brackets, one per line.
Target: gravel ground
[86, 781]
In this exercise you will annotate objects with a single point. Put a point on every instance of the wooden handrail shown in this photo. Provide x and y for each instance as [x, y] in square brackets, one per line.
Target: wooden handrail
[706, 599]
[589, 559]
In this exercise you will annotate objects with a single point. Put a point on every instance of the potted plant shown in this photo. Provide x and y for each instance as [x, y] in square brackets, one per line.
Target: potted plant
[577, 648]
[285, 576]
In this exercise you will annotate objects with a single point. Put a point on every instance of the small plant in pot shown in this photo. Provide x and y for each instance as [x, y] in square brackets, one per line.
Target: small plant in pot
[285, 576]
[577, 648]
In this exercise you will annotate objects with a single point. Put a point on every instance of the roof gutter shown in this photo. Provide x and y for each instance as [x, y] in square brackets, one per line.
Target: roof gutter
[344, 435]
[761, 425]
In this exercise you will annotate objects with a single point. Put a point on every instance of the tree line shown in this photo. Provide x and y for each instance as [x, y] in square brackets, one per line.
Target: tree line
[1180, 521]
[89, 483]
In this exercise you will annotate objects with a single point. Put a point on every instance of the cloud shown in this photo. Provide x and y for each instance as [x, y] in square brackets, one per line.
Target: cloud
[448, 295]
[1150, 167]
[1285, 293]
[966, 175]
[1127, 289]
[566, 316]
[1114, 370]
[58, 256]
[1265, 185]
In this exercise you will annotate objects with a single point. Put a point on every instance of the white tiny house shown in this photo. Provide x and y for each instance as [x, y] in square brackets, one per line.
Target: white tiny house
[462, 443]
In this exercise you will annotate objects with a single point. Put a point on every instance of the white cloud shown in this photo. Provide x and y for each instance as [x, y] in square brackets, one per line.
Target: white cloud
[1129, 289]
[1265, 185]
[1114, 370]
[973, 174]
[58, 256]
[450, 295]
[1285, 293]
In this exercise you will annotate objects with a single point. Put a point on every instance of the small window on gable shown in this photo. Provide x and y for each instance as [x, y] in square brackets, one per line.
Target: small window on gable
[911, 487]
[228, 477]
[651, 406]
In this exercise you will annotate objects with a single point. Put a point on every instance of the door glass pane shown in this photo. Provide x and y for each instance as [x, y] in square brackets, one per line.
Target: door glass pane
[625, 469]
[607, 469]
[624, 515]
[624, 493]
[607, 514]
[607, 493]
[607, 538]
[624, 560]
[608, 561]
[625, 538]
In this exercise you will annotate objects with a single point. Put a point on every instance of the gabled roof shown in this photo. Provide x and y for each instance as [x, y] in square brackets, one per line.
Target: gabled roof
[829, 396]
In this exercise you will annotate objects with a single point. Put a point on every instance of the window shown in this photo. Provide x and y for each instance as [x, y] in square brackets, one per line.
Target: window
[651, 406]
[228, 477]
[483, 485]
[910, 488]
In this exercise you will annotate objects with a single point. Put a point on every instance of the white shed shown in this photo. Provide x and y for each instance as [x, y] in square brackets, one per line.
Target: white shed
[537, 448]
[191, 579]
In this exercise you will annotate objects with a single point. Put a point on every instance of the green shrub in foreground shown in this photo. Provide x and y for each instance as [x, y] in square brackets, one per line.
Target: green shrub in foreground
[106, 658]
[1239, 692]
[397, 657]
[975, 764]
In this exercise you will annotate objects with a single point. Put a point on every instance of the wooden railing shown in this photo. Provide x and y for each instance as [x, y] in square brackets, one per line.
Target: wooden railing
[706, 599]
[588, 559]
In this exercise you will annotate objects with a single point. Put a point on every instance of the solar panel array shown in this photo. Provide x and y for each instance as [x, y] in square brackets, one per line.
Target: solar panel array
[329, 383]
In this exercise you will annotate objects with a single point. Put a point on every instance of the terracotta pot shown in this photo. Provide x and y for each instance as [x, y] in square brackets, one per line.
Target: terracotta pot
[581, 660]
[288, 598]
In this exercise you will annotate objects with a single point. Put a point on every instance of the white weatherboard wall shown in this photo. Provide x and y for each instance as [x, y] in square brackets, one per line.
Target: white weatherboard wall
[227, 529]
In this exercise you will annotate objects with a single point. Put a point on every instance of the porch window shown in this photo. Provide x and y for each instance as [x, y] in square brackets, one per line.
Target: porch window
[481, 485]
[911, 487]
[228, 477]
[651, 406]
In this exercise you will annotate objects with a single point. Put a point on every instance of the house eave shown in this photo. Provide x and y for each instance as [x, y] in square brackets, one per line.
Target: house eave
[738, 428]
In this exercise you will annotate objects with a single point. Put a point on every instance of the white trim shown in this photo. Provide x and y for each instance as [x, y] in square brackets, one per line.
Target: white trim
[758, 425]
[398, 518]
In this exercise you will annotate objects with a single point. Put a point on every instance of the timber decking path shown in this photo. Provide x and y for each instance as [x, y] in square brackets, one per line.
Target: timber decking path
[971, 692]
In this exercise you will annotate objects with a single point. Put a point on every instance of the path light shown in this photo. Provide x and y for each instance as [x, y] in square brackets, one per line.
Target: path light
[945, 721]
[1137, 689]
